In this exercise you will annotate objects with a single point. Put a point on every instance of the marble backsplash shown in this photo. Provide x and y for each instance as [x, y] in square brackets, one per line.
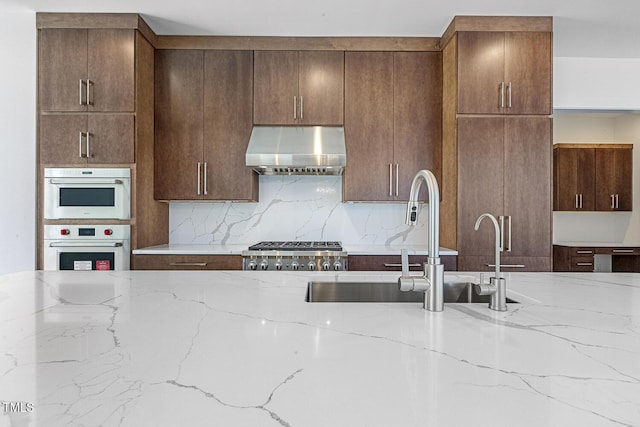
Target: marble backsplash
[294, 208]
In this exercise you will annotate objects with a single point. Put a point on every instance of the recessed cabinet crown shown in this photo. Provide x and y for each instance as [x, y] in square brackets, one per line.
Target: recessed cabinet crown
[504, 72]
[87, 69]
[592, 177]
[203, 102]
[393, 113]
[292, 87]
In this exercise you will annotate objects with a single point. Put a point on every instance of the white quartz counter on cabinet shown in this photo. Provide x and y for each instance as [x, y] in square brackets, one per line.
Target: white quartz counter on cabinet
[144, 348]
[236, 249]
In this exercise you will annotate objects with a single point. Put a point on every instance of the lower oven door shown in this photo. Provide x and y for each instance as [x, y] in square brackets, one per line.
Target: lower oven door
[83, 255]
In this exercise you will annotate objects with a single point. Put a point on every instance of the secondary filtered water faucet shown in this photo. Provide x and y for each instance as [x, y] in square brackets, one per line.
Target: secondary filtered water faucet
[432, 281]
[497, 286]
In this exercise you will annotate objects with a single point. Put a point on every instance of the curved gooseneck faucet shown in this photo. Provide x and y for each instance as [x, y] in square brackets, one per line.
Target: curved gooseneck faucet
[497, 286]
[432, 282]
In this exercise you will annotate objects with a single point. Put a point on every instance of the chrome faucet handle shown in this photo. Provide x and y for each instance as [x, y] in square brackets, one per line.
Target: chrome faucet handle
[404, 258]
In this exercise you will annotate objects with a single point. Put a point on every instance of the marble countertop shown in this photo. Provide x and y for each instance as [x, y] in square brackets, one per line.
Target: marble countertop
[236, 249]
[145, 348]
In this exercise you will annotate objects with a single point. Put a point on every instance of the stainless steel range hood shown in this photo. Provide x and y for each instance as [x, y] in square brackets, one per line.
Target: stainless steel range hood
[297, 150]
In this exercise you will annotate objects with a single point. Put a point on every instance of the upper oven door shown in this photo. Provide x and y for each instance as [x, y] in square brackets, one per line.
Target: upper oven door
[75, 196]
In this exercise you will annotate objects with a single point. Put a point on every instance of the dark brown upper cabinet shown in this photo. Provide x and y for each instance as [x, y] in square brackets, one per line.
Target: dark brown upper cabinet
[593, 177]
[298, 88]
[84, 70]
[504, 72]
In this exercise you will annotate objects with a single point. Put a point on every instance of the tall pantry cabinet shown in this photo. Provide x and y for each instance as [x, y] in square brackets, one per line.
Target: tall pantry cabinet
[497, 141]
[95, 108]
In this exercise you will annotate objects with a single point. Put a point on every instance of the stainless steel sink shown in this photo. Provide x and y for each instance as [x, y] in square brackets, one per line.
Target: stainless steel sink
[323, 291]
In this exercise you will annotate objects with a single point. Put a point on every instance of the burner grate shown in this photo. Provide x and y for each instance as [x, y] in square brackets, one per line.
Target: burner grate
[297, 246]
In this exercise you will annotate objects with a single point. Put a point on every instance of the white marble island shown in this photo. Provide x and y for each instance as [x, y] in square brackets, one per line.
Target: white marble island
[145, 348]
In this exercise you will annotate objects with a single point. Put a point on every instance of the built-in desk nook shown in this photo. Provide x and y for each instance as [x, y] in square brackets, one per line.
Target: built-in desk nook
[598, 257]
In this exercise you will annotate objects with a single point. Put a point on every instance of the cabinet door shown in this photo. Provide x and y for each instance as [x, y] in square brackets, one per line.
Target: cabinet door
[527, 186]
[275, 90]
[321, 88]
[480, 182]
[111, 68]
[613, 179]
[178, 124]
[111, 138]
[228, 104]
[417, 118]
[480, 72]
[574, 179]
[60, 139]
[368, 126]
[62, 63]
[528, 72]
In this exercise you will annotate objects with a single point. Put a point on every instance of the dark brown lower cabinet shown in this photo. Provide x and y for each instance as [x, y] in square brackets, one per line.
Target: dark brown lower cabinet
[187, 262]
[580, 258]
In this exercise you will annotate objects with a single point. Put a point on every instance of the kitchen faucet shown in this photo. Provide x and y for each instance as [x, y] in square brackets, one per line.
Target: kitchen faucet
[432, 281]
[497, 286]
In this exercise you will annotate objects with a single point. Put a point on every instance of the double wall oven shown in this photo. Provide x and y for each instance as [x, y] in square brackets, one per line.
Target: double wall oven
[86, 213]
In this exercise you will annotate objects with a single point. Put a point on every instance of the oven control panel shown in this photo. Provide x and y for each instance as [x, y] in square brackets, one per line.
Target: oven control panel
[87, 232]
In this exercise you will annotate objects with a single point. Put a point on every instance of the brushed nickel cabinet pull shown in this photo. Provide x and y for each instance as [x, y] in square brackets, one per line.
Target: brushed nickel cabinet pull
[507, 265]
[295, 106]
[199, 168]
[580, 200]
[205, 179]
[613, 202]
[509, 95]
[301, 108]
[391, 265]
[80, 154]
[397, 176]
[390, 179]
[89, 92]
[584, 264]
[501, 95]
[188, 264]
[577, 206]
[89, 145]
[617, 201]
[585, 252]
[623, 251]
[80, 92]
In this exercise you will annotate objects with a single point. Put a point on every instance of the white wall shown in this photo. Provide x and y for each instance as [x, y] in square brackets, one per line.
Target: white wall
[17, 141]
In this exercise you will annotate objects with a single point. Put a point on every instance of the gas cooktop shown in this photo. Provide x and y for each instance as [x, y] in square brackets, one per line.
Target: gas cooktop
[296, 246]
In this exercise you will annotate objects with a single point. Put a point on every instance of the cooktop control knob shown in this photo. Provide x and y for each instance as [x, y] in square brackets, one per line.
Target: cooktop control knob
[264, 264]
[337, 265]
[278, 265]
[326, 265]
[253, 265]
[295, 265]
[312, 266]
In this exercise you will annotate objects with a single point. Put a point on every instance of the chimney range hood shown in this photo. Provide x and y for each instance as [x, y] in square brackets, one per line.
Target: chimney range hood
[297, 150]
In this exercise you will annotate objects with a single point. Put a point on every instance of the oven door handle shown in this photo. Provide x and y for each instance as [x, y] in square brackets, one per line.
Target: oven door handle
[86, 181]
[85, 245]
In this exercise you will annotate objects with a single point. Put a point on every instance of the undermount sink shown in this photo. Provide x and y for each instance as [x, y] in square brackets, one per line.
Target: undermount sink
[380, 292]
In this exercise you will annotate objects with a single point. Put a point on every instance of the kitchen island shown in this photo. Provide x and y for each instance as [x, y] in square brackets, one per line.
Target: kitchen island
[145, 348]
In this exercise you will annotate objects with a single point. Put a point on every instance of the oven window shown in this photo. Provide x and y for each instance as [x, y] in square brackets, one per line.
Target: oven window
[103, 260]
[70, 196]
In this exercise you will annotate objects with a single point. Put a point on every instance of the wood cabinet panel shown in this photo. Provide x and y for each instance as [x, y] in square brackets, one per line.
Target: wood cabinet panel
[275, 86]
[480, 181]
[321, 87]
[417, 117]
[228, 104]
[111, 69]
[613, 179]
[527, 186]
[512, 264]
[187, 262]
[60, 139]
[62, 63]
[111, 138]
[368, 126]
[179, 123]
[527, 70]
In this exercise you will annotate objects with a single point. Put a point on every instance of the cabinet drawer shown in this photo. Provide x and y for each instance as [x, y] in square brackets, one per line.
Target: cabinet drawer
[393, 262]
[187, 262]
[617, 251]
[582, 252]
[582, 263]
